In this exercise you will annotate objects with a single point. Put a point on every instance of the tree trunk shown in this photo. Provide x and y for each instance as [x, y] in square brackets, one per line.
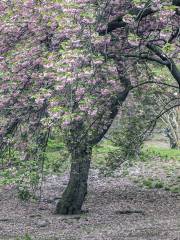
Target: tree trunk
[74, 195]
[173, 136]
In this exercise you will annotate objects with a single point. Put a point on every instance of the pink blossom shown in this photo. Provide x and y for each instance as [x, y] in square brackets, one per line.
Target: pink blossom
[80, 91]
[55, 115]
[83, 108]
[59, 87]
[66, 123]
[2, 7]
[70, 80]
[92, 113]
[4, 86]
[105, 92]
[78, 118]
[39, 101]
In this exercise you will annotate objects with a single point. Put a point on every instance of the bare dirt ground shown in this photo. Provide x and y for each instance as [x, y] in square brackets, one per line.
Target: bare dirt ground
[118, 210]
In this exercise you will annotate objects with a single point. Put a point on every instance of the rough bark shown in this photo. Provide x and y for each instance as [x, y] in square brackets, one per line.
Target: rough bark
[74, 195]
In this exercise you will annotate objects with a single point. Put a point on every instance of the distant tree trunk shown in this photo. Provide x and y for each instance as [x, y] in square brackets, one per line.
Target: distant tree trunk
[173, 139]
[74, 195]
[172, 131]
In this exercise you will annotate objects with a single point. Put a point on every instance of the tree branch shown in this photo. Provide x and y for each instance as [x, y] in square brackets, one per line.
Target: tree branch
[170, 63]
[151, 82]
[119, 23]
[147, 57]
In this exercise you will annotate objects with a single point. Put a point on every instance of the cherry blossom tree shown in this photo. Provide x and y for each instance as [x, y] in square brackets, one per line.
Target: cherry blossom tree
[72, 64]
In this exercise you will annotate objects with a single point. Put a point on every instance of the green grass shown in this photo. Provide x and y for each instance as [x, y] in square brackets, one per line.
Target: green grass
[163, 153]
[168, 160]
[104, 147]
[175, 189]
[54, 145]
[100, 153]
[57, 157]
[26, 237]
[152, 183]
[58, 162]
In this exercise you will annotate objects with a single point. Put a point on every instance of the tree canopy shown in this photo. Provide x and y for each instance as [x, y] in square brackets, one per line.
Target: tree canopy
[72, 64]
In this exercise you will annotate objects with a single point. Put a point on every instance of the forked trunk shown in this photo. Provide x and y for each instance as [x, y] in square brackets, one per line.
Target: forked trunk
[74, 195]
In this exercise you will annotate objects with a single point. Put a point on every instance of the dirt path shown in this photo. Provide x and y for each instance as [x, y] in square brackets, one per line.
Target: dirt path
[118, 210]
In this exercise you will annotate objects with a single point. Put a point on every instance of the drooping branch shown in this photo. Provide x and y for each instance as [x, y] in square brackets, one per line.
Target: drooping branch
[113, 25]
[140, 14]
[171, 65]
[147, 57]
[174, 35]
[154, 82]
[119, 23]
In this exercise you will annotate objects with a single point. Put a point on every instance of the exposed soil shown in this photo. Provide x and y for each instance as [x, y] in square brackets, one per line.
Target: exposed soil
[118, 210]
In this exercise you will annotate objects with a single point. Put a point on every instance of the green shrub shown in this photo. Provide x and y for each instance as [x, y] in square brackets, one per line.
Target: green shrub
[57, 161]
[54, 145]
[163, 153]
[175, 189]
[152, 183]
[26, 237]
[24, 193]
